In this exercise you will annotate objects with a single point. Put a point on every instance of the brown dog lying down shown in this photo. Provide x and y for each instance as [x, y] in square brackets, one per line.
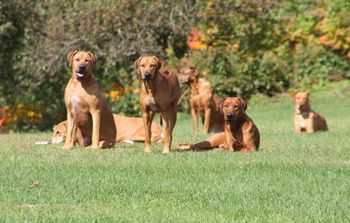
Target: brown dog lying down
[240, 133]
[129, 130]
[203, 101]
[305, 119]
[88, 113]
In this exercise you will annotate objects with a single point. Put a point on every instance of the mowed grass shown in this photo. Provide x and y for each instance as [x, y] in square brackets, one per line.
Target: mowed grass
[293, 178]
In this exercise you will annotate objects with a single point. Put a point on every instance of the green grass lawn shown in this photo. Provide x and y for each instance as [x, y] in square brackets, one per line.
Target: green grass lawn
[293, 178]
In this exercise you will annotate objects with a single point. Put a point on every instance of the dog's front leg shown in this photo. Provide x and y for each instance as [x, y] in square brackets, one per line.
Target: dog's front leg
[167, 132]
[71, 132]
[194, 119]
[147, 123]
[96, 122]
[169, 120]
[310, 125]
[206, 120]
[230, 141]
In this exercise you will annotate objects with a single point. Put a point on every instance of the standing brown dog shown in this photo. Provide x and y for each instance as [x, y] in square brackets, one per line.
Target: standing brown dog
[305, 119]
[203, 101]
[87, 109]
[240, 134]
[160, 92]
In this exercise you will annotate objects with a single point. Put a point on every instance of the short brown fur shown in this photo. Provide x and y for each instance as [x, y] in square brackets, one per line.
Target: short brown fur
[160, 93]
[87, 109]
[305, 119]
[129, 129]
[203, 101]
[241, 134]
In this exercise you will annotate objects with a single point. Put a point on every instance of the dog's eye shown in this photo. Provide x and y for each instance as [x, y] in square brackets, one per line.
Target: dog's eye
[87, 61]
[152, 65]
[225, 106]
[142, 65]
[57, 132]
[236, 107]
[77, 59]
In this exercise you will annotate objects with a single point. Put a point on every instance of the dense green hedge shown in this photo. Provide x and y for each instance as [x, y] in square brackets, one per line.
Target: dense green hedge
[250, 47]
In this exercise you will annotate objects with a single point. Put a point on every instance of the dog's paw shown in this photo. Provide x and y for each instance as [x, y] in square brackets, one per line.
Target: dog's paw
[185, 146]
[68, 147]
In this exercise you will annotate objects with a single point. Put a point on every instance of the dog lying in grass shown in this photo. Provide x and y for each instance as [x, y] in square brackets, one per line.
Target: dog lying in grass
[130, 130]
[241, 134]
[305, 119]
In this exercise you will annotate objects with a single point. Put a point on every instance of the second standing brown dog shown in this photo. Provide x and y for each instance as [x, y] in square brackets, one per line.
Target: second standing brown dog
[203, 101]
[160, 93]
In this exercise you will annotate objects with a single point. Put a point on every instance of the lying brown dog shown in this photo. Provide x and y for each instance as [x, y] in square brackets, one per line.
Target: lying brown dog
[129, 130]
[160, 92]
[203, 101]
[305, 119]
[240, 134]
[87, 109]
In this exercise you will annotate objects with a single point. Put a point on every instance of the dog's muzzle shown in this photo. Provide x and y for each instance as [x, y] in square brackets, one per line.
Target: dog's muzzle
[229, 117]
[147, 76]
[81, 72]
[301, 107]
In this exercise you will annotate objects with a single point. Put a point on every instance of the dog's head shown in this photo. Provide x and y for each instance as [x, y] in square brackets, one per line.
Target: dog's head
[302, 101]
[81, 63]
[233, 108]
[187, 75]
[59, 133]
[148, 66]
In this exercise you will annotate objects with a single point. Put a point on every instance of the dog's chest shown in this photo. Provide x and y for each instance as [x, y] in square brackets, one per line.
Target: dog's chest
[77, 105]
[302, 120]
[199, 102]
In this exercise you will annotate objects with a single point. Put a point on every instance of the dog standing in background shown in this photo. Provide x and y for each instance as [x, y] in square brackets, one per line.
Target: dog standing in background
[160, 93]
[305, 119]
[203, 101]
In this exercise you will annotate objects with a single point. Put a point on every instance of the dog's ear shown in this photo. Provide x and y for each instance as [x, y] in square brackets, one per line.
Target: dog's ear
[70, 56]
[221, 103]
[292, 96]
[243, 104]
[194, 73]
[93, 57]
[159, 64]
[137, 63]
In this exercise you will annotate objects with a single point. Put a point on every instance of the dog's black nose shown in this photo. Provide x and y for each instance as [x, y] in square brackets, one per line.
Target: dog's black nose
[229, 116]
[147, 76]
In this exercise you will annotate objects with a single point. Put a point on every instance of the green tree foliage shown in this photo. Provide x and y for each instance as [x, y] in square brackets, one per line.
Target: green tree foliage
[252, 46]
[117, 31]
[14, 16]
[270, 46]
